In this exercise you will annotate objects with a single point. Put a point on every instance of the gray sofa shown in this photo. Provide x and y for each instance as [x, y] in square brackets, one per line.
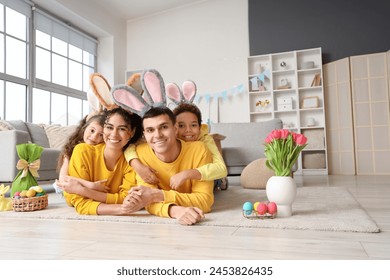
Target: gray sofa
[244, 142]
[23, 132]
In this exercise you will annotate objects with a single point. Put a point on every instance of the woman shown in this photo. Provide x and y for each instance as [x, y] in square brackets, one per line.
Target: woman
[103, 162]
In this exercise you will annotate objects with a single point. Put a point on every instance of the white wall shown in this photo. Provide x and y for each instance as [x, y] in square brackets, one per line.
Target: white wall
[205, 42]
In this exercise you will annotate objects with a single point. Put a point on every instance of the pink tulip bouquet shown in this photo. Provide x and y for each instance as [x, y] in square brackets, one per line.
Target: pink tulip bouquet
[282, 148]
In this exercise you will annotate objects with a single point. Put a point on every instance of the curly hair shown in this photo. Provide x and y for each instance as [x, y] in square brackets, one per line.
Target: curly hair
[77, 136]
[187, 107]
[133, 120]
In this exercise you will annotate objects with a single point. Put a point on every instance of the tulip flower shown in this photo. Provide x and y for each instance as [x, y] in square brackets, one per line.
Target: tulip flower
[282, 149]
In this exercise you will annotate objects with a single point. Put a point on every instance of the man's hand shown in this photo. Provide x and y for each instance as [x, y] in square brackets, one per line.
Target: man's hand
[140, 197]
[186, 215]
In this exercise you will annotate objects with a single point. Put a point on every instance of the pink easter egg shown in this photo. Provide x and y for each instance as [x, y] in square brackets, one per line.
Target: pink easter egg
[272, 208]
[262, 208]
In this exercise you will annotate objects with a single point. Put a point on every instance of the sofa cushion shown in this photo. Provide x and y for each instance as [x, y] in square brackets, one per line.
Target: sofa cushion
[38, 135]
[59, 135]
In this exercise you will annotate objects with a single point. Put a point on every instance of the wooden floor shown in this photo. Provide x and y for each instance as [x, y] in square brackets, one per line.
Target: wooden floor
[78, 240]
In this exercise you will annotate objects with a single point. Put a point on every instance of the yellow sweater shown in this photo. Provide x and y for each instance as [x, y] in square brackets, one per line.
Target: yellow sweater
[192, 193]
[87, 162]
[217, 169]
[211, 171]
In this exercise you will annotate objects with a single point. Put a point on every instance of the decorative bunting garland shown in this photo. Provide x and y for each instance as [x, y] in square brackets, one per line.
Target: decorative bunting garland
[223, 94]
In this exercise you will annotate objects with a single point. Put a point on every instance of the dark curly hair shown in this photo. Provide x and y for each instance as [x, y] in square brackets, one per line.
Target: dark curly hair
[77, 136]
[133, 121]
[187, 107]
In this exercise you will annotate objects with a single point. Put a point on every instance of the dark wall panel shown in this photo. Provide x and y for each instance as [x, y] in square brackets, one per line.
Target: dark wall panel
[341, 28]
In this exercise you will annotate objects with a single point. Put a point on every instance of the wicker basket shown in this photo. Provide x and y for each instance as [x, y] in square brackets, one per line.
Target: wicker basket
[30, 204]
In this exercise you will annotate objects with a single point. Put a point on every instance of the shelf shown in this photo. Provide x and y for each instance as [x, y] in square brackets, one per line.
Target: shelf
[294, 90]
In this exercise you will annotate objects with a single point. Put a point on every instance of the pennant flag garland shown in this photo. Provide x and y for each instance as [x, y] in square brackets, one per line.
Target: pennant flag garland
[222, 94]
[263, 75]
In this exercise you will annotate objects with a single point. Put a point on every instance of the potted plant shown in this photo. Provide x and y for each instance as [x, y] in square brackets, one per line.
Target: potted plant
[282, 149]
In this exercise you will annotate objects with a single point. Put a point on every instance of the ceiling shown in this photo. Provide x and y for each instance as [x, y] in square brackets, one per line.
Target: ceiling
[123, 9]
[132, 9]
[116, 9]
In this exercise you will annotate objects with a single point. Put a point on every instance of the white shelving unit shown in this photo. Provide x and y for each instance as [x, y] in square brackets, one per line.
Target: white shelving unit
[289, 86]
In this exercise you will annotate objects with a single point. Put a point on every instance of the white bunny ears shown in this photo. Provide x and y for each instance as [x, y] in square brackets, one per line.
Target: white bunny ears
[186, 94]
[130, 99]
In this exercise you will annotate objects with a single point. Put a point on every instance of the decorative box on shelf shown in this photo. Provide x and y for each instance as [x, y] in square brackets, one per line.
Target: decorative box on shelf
[284, 103]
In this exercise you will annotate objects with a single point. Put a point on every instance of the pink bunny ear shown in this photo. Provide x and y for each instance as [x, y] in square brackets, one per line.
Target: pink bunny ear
[128, 98]
[189, 90]
[154, 89]
[173, 93]
[101, 89]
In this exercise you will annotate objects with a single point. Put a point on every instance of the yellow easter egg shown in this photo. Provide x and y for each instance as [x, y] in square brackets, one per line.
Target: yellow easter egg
[255, 205]
[23, 193]
[38, 189]
[31, 193]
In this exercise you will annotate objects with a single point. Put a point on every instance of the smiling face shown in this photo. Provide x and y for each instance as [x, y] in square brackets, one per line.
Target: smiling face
[188, 126]
[160, 134]
[117, 132]
[93, 133]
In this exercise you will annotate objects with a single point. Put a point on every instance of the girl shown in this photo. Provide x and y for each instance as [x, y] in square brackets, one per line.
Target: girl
[90, 131]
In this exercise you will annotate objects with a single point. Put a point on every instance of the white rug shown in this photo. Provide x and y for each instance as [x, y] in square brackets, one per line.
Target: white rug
[315, 208]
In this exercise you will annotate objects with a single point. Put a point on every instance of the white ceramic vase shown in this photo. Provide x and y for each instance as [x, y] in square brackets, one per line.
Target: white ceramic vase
[282, 190]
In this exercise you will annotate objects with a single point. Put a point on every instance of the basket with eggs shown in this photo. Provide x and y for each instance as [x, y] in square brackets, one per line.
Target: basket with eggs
[35, 198]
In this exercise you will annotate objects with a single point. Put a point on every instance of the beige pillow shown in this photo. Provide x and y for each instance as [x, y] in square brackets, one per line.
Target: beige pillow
[59, 135]
[5, 126]
[256, 174]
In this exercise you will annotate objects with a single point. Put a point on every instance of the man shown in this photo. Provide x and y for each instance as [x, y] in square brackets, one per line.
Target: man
[168, 155]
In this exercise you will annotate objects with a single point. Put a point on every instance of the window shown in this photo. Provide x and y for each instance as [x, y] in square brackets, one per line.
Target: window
[57, 58]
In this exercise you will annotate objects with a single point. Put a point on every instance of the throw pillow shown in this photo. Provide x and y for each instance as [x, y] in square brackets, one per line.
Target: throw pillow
[59, 135]
[256, 174]
[4, 125]
[38, 135]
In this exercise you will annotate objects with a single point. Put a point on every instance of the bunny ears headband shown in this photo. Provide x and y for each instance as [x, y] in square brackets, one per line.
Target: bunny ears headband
[184, 95]
[154, 93]
[99, 96]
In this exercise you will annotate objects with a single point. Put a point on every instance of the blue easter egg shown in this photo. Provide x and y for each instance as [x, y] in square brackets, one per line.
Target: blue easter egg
[247, 207]
[17, 196]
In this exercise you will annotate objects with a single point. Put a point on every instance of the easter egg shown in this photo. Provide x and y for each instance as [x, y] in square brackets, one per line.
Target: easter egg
[38, 189]
[272, 208]
[23, 193]
[16, 194]
[247, 207]
[31, 193]
[262, 208]
[255, 205]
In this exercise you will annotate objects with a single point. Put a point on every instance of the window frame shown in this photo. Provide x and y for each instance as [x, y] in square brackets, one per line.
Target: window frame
[32, 82]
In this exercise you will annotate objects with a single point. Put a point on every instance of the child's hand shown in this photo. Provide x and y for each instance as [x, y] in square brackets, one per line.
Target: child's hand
[145, 172]
[177, 180]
